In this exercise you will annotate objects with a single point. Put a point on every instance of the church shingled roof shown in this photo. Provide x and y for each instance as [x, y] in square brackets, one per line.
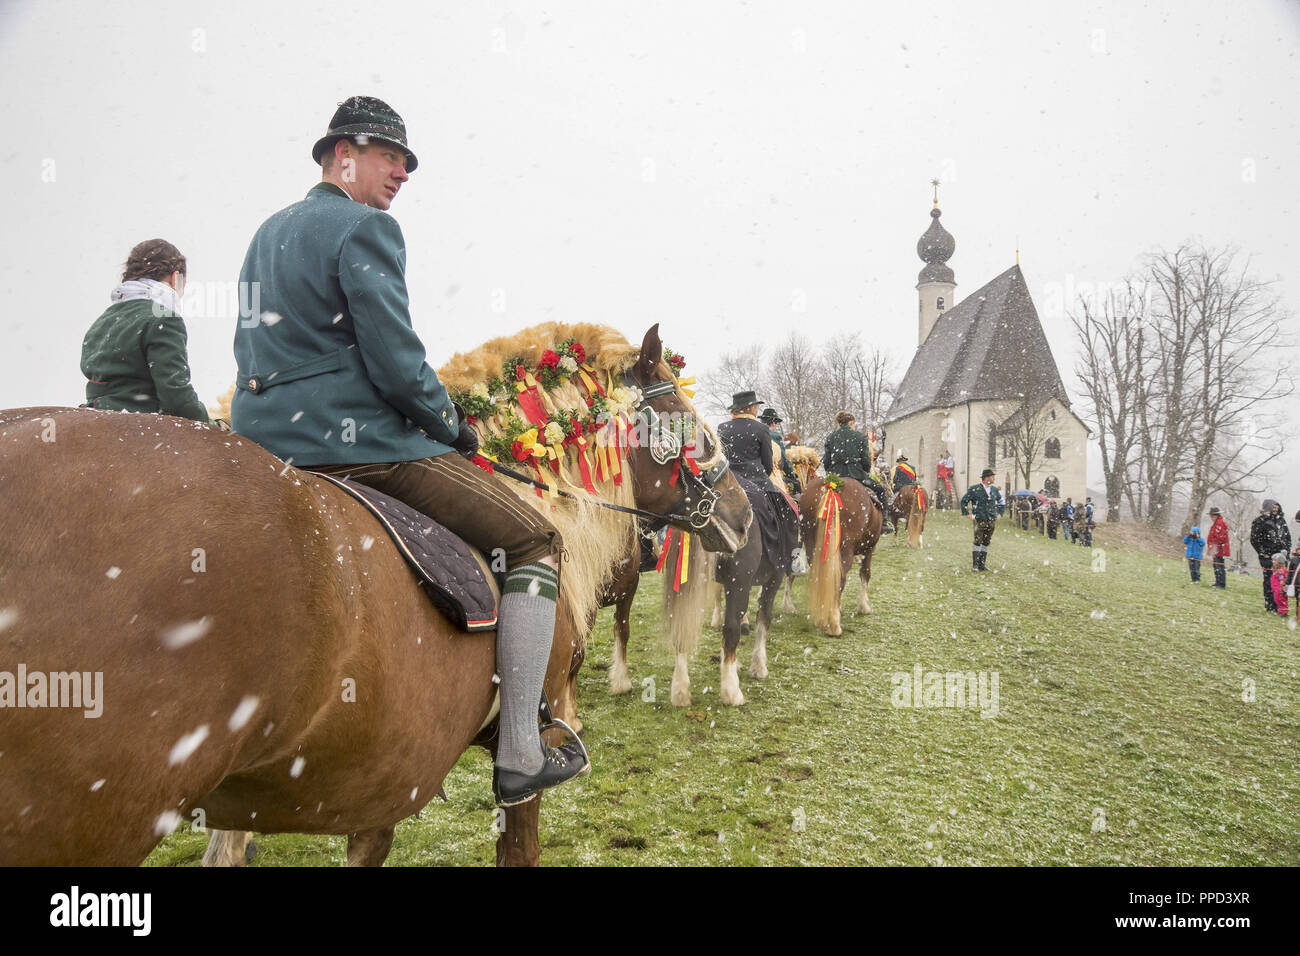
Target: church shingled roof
[989, 346]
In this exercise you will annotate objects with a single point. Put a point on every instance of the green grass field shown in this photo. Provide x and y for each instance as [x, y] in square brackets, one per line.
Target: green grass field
[1141, 720]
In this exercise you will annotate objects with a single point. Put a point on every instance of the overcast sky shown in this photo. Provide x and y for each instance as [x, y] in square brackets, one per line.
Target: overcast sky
[702, 165]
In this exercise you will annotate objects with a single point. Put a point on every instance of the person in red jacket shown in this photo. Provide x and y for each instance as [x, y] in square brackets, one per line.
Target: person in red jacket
[1217, 540]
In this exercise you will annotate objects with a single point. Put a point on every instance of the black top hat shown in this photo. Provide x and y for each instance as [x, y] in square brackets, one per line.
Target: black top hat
[986, 473]
[367, 116]
[770, 416]
[742, 400]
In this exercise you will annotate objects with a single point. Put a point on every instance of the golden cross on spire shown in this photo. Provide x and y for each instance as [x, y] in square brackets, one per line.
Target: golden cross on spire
[935, 184]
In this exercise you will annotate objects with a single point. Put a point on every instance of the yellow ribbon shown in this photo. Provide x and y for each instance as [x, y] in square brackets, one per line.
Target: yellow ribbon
[686, 557]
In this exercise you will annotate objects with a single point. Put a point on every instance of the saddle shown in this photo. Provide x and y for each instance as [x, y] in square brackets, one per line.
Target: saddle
[456, 577]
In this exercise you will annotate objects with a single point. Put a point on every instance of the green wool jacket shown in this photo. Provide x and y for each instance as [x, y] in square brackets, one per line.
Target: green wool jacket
[848, 453]
[136, 361]
[330, 369]
[985, 506]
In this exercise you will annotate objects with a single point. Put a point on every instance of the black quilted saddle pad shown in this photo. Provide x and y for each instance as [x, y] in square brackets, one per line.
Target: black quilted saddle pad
[450, 573]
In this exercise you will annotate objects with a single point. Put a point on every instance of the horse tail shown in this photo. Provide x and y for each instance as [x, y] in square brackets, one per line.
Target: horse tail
[686, 588]
[825, 571]
[916, 517]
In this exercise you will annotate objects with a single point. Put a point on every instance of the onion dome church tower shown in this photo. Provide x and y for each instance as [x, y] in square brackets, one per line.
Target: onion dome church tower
[935, 283]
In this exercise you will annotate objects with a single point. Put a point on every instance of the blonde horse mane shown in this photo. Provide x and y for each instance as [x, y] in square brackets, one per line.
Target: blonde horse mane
[595, 538]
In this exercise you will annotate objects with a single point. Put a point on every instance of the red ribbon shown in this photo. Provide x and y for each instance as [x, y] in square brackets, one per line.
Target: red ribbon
[663, 555]
[484, 463]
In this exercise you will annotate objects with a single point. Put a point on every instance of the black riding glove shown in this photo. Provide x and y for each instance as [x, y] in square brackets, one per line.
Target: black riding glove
[466, 439]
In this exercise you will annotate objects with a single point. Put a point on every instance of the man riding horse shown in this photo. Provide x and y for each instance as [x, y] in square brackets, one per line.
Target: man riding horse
[848, 454]
[772, 418]
[748, 446]
[333, 377]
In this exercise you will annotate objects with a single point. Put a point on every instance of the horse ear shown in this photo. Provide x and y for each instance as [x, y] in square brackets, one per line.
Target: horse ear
[652, 353]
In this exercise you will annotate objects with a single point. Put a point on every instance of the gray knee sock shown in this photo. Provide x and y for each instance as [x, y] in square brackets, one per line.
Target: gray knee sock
[524, 633]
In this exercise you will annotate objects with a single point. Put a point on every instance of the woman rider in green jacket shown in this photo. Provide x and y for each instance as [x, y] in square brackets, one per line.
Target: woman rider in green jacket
[134, 355]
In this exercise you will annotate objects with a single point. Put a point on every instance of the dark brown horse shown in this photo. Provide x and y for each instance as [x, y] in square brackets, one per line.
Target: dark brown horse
[833, 534]
[265, 656]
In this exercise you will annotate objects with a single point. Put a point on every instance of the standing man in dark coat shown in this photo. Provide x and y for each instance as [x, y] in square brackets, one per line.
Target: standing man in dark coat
[983, 502]
[1268, 535]
[848, 454]
[747, 444]
[332, 376]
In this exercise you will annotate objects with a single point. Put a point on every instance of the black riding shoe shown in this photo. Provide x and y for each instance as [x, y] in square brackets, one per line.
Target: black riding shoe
[559, 765]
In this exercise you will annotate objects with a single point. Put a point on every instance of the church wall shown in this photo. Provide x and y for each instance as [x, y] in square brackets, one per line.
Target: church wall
[1071, 469]
[932, 431]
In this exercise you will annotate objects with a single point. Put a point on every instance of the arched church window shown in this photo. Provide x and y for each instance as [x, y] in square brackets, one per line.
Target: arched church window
[1053, 449]
[940, 303]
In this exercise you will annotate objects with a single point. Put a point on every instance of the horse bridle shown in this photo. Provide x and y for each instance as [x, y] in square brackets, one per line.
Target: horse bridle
[698, 492]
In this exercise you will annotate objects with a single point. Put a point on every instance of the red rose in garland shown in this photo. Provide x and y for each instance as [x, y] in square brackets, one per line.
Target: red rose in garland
[548, 360]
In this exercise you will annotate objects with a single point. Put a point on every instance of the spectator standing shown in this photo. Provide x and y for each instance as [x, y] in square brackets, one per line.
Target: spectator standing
[1217, 540]
[1278, 580]
[1269, 535]
[1194, 548]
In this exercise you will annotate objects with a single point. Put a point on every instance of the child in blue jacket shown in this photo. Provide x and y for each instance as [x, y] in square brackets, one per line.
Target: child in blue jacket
[1195, 548]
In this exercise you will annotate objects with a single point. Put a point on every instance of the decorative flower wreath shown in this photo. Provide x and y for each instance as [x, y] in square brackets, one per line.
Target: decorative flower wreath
[533, 430]
[833, 481]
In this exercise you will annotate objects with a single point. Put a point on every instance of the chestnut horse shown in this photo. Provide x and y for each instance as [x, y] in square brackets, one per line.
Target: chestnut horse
[829, 562]
[909, 505]
[264, 655]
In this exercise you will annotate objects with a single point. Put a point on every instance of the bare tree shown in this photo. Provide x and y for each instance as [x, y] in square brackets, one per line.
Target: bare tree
[1110, 335]
[1028, 429]
[795, 384]
[1165, 390]
[737, 371]
[1237, 318]
[1239, 510]
[841, 354]
[873, 384]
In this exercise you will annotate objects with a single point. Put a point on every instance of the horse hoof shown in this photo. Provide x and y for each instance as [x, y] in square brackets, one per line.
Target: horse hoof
[758, 672]
[622, 686]
[733, 700]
